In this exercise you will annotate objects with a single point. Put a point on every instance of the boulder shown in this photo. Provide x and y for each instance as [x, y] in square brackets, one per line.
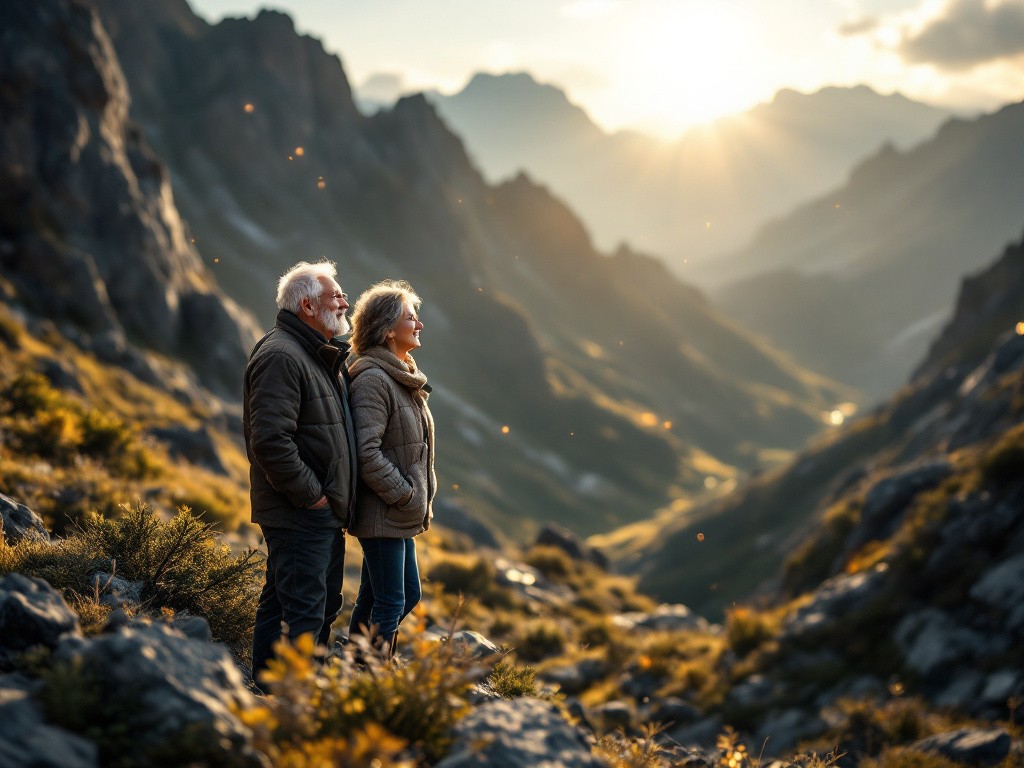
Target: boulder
[31, 613]
[180, 692]
[26, 740]
[519, 733]
[834, 598]
[667, 617]
[930, 640]
[576, 677]
[1002, 586]
[20, 522]
[782, 731]
[613, 715]
[193, 445]
[972, 746]
[473, 645]
[454, 516]
[552, 535]
[671, 711]
[116, 591]
[889, 497]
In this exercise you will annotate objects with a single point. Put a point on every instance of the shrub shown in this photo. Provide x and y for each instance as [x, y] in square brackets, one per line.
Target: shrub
[183, 567]
[1004, 463]
[473, 577]
[510, 681]
[539, 641]
[901, 757]
[621, 751]
[553, 562]
[747, 629]
[407, 710]
[179, 561]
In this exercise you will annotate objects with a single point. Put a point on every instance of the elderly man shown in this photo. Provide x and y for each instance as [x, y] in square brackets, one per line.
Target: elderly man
[300, 443]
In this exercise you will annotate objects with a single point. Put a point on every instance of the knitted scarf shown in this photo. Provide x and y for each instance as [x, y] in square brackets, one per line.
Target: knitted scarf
[404, 372]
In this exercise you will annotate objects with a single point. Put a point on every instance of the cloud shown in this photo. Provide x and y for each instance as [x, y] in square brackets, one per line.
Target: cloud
[588, 9]
[967, 33]
[862, 26]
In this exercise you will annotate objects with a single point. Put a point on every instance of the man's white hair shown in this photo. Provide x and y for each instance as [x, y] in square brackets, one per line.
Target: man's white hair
[301, 281]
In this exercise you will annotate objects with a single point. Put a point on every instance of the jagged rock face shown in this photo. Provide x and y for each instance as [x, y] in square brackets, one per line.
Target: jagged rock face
[518, 733]
[25, 737]
[89, 231]
[31, 613]
[180, 689]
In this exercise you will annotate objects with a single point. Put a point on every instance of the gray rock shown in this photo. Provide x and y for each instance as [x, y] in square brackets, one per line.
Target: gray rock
[1002, 586]
[194, 445]
[473, 645]
[552, 535]
[835, 597]
[969, 745]
[962, 690]
[754, 691]
[20, 522]
[782, 731]
[518, 733]
[1002, 685]
[671, 711]
[931, 639]
[116, 591]
[640, 686]
[453, 515]
[26, 740]
[576, 677]
[613, 715]
[194, 627]
[31, 613]
[702, 733]
[667, 617]
[174, 686]
[889, 497]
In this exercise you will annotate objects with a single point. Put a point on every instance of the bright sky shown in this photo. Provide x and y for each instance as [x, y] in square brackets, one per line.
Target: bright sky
[661, 65]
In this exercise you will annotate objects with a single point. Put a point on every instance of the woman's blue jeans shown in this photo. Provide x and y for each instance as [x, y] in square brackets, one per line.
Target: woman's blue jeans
[389, 586]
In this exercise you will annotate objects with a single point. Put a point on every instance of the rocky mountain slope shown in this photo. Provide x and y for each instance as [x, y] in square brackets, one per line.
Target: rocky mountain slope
[856, 283]
[686, 200]
[936, 468]
[544, 359]
[89, 236]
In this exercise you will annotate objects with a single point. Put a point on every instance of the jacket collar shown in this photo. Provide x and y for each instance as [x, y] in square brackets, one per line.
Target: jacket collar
[331, 352]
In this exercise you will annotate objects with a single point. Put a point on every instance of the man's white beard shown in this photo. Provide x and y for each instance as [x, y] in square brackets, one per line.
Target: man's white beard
[337, 326]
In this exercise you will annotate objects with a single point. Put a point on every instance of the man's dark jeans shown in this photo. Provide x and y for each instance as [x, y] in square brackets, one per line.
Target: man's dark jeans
[305, 569]
[389, 586]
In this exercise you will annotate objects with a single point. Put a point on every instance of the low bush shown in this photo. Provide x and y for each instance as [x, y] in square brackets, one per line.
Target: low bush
[385, 714]
[511, 681]
[540, 640]
[180, 563]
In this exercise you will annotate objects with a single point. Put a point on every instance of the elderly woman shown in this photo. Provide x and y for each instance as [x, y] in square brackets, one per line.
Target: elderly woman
[395, 443]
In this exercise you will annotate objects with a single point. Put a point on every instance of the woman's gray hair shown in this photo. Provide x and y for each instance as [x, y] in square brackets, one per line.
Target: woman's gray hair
[377, 311]
[301, 281]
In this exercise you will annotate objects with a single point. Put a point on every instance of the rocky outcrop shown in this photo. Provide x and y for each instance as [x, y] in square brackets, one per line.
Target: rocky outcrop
[31, 614]
[552, 535]
[26, 739]
[175, 687]
[89, 233]
[519, 733]
[20, 522]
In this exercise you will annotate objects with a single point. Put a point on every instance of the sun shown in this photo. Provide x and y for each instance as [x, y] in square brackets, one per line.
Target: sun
[687, 63]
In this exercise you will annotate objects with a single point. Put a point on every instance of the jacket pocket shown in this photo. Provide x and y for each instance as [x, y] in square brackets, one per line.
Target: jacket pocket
[413, 512]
